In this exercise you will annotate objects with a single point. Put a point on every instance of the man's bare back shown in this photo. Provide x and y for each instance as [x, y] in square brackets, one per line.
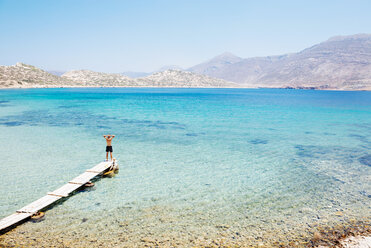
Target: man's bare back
[109, 149]
[109, 139]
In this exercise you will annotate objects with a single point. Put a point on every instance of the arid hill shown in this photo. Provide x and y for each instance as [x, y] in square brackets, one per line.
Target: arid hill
[27, 76]
[342, 62]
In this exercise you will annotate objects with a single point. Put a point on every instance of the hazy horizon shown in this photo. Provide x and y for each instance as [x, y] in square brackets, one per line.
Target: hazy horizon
[119, 36]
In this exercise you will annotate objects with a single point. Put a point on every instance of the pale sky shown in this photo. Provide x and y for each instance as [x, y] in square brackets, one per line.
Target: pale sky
[144, 35]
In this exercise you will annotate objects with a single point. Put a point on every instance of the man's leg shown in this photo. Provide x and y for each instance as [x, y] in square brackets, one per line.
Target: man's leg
[107, 156]
[111, 155]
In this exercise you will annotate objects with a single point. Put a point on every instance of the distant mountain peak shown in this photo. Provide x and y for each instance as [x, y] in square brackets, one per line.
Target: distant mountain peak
[215, 63]
[349, 37]
[341, 62]
[226, 55]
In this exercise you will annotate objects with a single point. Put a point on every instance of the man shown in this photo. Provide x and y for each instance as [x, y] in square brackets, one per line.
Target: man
[109, 145]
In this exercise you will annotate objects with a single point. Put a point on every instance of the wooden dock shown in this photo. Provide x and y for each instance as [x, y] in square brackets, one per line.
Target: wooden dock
[51, 197]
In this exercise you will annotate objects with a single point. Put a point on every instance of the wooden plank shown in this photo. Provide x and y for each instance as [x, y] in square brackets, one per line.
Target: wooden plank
[99, 168]
[65, 190]
[83, 178]
[39, 204]
[54, 196]
[13, 219]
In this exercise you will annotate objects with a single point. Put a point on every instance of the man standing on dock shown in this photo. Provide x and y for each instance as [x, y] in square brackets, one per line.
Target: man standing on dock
[109, 149]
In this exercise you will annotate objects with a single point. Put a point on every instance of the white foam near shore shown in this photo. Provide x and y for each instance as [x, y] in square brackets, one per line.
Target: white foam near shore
[359, 242]
[355, 242]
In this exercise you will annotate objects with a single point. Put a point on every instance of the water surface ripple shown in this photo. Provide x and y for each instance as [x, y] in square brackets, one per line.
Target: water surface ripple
[199, 167]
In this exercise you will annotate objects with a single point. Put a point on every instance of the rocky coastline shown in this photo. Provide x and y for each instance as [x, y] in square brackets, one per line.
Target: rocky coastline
[28, 76]
[169, 232]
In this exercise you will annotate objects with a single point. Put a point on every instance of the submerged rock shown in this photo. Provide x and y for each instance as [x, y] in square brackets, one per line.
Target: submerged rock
[366, 160]
[258, 141]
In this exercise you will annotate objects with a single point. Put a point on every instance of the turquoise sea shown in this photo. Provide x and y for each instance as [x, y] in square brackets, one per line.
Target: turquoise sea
[198, 167]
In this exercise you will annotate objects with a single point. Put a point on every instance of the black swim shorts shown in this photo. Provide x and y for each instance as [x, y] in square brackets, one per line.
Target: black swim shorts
[109, 149]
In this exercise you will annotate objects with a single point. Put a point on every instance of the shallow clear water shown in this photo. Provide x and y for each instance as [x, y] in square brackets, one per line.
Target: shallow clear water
[196, 165]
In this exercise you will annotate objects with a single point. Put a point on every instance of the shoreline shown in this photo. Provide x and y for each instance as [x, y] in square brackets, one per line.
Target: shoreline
[177, 87]
[347, 236]
[360, 241]
[350, 236]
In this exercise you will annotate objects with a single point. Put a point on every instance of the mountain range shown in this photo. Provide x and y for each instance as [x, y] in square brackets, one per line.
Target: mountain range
[340, 63]
[27, 76]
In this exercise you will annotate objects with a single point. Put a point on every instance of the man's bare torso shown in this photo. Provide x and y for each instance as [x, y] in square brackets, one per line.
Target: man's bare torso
[109, 139]
[109, 142]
